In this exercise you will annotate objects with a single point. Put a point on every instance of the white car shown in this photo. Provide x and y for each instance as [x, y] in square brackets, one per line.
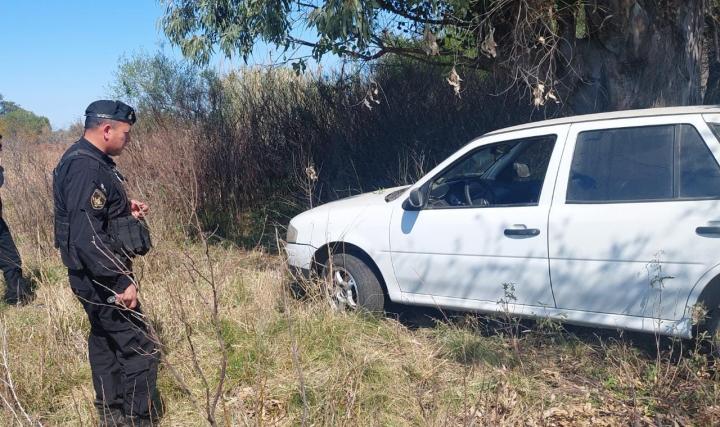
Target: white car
[610, 220]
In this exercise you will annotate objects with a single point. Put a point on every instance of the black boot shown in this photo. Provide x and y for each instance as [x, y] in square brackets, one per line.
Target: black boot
[136, 421]
[17, 290]
[111, 417]
[157, 411]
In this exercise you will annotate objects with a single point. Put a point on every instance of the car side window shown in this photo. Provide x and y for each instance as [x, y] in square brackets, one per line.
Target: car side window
[509, 173]
[651, 163]
[699, 173]
[627, 164]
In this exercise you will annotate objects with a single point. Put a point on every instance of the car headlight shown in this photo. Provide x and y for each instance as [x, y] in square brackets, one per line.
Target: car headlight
[291, 234]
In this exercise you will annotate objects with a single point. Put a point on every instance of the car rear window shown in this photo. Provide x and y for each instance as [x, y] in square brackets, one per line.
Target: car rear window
[699, 172]
[715, 128]
[622, 165]
[651, 163]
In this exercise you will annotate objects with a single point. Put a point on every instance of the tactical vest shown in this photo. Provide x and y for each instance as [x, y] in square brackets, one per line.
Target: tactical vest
[130, 236]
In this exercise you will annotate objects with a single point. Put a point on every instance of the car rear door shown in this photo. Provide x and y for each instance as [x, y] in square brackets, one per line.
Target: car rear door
[634, 222]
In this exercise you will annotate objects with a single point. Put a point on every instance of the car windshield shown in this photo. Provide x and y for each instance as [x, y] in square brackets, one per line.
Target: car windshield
[478, 164]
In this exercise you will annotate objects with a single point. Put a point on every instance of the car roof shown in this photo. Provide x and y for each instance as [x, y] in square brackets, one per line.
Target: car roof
[648, 112]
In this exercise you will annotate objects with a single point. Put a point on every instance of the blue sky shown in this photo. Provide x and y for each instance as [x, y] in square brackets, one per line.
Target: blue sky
[58, 56]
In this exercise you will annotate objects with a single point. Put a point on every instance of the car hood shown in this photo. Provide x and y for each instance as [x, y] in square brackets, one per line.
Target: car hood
[377, 197]
[344, 212]
[361, 220]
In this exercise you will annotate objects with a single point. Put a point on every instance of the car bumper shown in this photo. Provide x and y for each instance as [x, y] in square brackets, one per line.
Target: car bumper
[299, 260]
[299, 256]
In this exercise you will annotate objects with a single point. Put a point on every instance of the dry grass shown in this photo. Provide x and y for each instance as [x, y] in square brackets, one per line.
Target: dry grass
[356, 370]
[295, 362]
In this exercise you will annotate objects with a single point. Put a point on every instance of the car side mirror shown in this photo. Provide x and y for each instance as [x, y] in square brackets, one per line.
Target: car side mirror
[415, 200]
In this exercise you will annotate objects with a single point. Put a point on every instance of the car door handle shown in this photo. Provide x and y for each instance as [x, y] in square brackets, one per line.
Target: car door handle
[522, 232]
[708, 230]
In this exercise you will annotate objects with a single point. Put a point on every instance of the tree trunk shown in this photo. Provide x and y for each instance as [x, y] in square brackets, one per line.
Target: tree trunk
[712, 37]
[637, 54]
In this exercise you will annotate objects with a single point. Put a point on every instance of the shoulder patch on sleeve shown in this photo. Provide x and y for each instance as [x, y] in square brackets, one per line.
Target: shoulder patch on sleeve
[98, 199]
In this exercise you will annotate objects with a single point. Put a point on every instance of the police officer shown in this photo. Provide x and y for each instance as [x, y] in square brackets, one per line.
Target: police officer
[90, 202]
[17, 289]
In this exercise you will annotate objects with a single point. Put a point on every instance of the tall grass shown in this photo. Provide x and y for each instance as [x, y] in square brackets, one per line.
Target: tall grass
[291, 361]
[238, 140]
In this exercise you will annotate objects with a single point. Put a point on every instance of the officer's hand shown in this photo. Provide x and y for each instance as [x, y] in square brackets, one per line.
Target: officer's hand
[128, 298]
[138, 209]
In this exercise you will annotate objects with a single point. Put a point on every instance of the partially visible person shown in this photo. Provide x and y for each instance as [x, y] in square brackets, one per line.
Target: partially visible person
[17, 289]
[98, 230]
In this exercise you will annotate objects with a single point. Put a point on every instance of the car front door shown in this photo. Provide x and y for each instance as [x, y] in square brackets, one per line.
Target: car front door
[482, 234]
[634, 221]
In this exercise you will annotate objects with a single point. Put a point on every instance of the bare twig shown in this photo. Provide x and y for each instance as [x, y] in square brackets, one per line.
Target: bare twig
[294, 350]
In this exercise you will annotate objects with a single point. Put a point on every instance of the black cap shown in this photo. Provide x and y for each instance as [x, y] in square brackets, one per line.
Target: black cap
[112, 110]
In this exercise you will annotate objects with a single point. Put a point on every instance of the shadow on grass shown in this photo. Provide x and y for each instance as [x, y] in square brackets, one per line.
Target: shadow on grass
[415, 318]
[536, 331]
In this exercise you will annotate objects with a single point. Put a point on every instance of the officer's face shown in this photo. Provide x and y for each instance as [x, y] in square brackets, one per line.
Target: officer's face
[117, 137]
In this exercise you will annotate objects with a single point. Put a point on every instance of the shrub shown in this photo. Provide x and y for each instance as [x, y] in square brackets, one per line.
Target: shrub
[232, 148]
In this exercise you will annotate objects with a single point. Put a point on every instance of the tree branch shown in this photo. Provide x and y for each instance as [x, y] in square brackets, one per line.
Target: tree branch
[391, 8]
[411, 53]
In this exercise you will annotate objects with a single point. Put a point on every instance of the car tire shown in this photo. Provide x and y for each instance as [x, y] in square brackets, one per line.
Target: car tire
[712, 326]
[352, 285]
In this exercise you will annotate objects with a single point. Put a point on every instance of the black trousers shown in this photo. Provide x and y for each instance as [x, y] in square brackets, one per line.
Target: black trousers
[11, 266]
[123, 359]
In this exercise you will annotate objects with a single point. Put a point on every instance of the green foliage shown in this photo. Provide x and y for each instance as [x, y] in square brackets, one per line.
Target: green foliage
[7, 106]
[167, 87]
[25, 122]
[232, 25]
[357, 29]
[17, 123]
[550, 49]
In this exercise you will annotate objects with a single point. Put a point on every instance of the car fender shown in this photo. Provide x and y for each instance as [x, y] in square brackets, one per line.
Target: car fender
[700, 286]
[367, 229]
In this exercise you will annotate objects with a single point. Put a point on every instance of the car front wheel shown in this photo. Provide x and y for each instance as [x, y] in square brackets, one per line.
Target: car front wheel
[352, 285]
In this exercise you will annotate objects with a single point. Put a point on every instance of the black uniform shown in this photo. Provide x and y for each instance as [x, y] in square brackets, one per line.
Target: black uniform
[17, 288]
[89, 197]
